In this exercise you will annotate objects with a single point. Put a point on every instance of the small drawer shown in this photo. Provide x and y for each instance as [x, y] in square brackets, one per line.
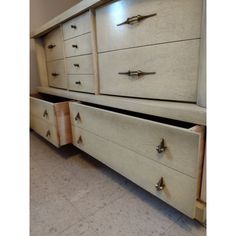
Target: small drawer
[78, 46]
[56, 74]
[150, 22]
[176, 146]
[164, 71]
[80, 65]
[53, 45]
[51, 113]
[169, 185]
[82, 83]
[77, 26]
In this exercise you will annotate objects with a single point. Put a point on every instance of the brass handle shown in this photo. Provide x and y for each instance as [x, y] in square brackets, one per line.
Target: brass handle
[45, 113]
[55, 74]
[135, 19]
[51, 46]
[136, 73]
[73, 26]
[77, 117]
[76, 65]
[160, 185]
[78, 82]
[74, 46]
[161, 147]
[80, 140]
[48, 134]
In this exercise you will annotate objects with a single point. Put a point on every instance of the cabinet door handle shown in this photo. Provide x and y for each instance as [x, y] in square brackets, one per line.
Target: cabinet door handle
[80, 140]
[135, 19]
[48, 134]
[136, 73]
[73, 26]
[45, 113]
[161, 147]
[78, 82]
[76, 65]
[74, 46]
[77, 117]
[55, 74]
[51, 46]
[160, 185]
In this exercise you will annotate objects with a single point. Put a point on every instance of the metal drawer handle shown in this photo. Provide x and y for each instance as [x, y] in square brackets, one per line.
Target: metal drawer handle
[78, 117]
[135, 19]
[160, 185]
[45, 114]
[73, 26]
[76, 65]
[136, 73]
[48, 134]
[74, 46]
[51, 46]
[78, 82]
[55, 74]
[80, 140]
[161, 147]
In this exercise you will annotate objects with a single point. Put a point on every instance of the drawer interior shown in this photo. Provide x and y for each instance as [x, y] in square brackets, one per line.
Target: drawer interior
[49, 98]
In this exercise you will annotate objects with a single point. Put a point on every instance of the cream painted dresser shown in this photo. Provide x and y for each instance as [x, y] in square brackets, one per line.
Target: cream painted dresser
[132, 73]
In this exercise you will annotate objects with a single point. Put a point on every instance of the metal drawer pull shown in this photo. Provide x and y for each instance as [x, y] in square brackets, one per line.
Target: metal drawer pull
[135, 19]
[48, 134]
[74, 46]
[55, 74]
[45, 114]
[51, 46]
[136, 73]
[78, 117]
[161, 147]
[160, 185]
[73, 26]
[76, 65]
[80, 140]
[78, 82]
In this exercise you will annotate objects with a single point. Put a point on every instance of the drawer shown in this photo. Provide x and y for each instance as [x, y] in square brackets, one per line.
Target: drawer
[174, 20]
[82, 83]
[179, 190]
[56, 74]
[173, 69]
[182, 143]
[44, 129]
[49, 112]
[77, 26]
[78, 46]
[53, 45]
[80, 65]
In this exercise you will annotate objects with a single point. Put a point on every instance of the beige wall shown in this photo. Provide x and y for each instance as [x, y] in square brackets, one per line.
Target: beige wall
[42, 11]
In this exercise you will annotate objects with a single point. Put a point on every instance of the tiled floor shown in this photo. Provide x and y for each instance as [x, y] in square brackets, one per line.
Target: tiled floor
[72, 194]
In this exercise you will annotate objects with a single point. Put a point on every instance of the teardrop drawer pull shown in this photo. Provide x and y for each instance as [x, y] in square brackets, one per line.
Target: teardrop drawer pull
[161, 147]
[78, 82]
[45, 113]
[77, 117]
[76, 65]
[136, 19]
[136, 73]
[74, 46]
[80, 140]
[160, 185]
[48, 134]
[73, 26]
[51, 46]
[55, 74]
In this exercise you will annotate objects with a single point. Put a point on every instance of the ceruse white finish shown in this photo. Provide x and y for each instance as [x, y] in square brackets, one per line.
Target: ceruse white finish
[77, 26]
[78, 46]
[175, 20]
[142, 136]
[179, 191]
[82, 83]
[53, 45]
[56, 74]
[80, 65]
[175, 66]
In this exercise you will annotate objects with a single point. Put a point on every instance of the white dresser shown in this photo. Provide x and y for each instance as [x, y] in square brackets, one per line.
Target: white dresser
[132, 73]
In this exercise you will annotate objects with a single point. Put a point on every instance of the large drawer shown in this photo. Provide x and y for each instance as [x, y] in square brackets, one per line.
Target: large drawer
[82, 83]
[56, 74]
[53, 45]
[77, 26]
[173, 68]
[78, 46]
[174, 20]
[80, 65]
[143, 136]
[179, 190]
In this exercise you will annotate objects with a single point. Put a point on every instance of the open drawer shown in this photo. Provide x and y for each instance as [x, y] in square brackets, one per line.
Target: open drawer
[50, 118]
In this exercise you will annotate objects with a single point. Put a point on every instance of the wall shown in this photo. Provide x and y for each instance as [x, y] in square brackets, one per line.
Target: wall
[42, 11]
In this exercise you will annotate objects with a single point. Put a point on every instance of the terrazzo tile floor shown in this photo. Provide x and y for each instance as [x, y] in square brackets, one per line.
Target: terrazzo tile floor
[72, 194]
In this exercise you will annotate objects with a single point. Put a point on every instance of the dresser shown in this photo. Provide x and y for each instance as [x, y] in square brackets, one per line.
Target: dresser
[128, 80]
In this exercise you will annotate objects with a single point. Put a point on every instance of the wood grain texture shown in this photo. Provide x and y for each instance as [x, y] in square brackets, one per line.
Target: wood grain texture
[203, 183]
[175, 66]
[175, 20]
[86, 83]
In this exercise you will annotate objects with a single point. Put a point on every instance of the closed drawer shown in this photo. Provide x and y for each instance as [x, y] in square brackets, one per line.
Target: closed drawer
[77, 26]
[82, 83]
[54, 45]
[80, 65]
[179, 190]
[173, 69]
[181, 145]
[46, 130]
[174, 20]
[78, 46]
[56, 74]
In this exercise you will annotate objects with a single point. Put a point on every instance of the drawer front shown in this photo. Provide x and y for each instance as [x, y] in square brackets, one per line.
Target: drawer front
[43, 110]
[80, 65]
[46, 130]
[142, 136]
[173, 68]
[56, 74]
[54, 45]
[77, 26]
[174, 20]
[78, 46]
[179, 190]
[82, 83]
